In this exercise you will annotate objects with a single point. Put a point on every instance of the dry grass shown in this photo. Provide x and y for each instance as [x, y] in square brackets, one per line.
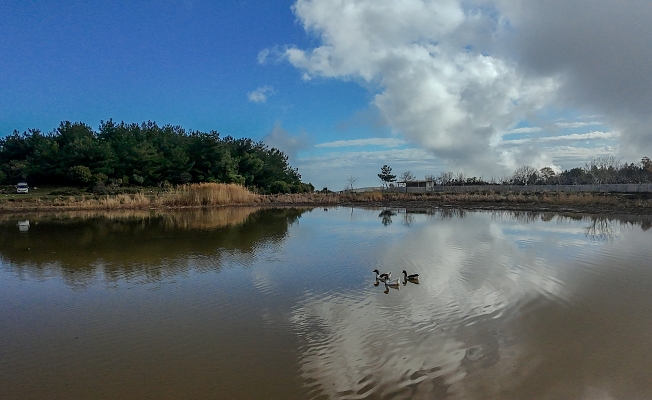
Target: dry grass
[119, 201]
[216, 194]
[521, 198]
[579, 199]
[206, 194]
[303, 198]
[197, 195]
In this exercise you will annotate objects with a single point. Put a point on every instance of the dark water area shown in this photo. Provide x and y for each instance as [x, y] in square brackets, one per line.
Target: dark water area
[281, 303]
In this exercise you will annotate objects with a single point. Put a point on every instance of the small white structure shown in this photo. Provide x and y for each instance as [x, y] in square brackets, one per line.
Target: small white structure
[23, 226]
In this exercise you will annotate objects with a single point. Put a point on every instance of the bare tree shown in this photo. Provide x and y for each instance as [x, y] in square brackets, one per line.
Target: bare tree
[407, 176]
[524, 175]
[603, 169]
[445, 178]
[351, 181]
[431, 178]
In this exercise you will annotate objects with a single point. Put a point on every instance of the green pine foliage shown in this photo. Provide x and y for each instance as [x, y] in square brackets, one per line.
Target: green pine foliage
[145, 155]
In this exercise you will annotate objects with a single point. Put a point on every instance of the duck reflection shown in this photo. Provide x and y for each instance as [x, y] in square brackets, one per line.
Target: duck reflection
[393, 284]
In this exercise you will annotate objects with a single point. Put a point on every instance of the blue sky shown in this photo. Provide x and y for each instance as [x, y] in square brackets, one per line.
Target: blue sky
[344, 86]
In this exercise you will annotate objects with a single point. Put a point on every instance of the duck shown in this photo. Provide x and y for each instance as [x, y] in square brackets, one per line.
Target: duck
[392, 284]
[413, 277]
[382, 277]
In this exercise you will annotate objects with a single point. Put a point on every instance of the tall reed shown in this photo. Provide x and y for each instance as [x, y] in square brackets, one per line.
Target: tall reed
[206, 194]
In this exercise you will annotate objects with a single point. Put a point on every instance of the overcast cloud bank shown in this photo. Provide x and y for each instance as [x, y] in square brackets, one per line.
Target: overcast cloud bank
[454, 77]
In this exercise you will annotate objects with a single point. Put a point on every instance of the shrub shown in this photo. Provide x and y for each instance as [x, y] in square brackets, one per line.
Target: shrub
[80, 174]
[279, 187]
[138, 179]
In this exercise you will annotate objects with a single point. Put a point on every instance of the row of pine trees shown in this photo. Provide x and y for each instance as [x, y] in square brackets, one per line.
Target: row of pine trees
[143, 155]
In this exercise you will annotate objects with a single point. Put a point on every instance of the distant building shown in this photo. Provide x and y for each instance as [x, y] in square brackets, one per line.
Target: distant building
[416, 184]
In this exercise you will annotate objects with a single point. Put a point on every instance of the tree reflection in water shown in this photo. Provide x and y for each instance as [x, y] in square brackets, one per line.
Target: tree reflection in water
[138, 245]
[386, 217]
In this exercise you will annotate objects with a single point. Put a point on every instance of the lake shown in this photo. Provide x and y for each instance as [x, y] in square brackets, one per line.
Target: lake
[245, 303]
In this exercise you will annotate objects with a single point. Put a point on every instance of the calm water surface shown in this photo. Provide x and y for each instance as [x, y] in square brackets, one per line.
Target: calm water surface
[282, 303]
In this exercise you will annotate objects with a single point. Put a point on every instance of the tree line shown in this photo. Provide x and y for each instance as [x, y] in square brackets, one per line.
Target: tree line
[144, 154]
[600, 170]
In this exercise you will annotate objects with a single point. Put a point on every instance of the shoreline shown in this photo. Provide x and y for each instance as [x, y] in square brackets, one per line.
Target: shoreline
[593, 204]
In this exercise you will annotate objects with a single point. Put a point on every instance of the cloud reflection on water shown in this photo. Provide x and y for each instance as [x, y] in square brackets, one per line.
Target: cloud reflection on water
[460, 330]
[509, 305]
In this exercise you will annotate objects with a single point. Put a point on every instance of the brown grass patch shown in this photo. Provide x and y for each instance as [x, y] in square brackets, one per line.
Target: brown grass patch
[206, 194]
[302, 198]
[579, 199]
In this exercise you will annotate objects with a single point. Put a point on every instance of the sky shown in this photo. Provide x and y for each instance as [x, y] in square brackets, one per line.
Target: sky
[344, 87]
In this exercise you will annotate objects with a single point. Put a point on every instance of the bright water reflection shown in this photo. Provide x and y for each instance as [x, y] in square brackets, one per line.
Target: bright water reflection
[245, 303]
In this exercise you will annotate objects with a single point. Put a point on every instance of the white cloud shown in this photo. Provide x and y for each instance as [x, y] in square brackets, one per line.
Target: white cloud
[576, 124]
[435, 84]
[453, 75]
[526, 130]
[575, 136]
[263, 56]
[568, 157]
[260, 94]
[387, 142]
[331, 170]
[289, 144]
[601, 48]
[583, 136]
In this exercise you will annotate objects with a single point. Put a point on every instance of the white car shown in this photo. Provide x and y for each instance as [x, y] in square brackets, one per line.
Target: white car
[22, 187]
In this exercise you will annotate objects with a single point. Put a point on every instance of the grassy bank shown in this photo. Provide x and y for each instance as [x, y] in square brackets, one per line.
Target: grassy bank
[573, 202]
[197, 195]
[452, 198]
[214, 194]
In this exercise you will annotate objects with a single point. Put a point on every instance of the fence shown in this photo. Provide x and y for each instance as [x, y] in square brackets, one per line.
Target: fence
[597, 188]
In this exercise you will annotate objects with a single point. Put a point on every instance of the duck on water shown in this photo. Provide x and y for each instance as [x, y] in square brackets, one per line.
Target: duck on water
[382, 277]
[411, 278]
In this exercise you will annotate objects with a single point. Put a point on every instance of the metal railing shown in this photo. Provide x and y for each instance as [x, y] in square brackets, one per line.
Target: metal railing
[595, 188]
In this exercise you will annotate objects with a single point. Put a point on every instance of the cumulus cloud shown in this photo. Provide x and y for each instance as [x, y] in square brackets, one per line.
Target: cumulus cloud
[287, 143]
[260, 95]
[452, 76]
[435, 83]
[601, 50]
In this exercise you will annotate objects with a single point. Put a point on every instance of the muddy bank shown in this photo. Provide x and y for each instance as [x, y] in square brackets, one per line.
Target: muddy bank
[593, 203]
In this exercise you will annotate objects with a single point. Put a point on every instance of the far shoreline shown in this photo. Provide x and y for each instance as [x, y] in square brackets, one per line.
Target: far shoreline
[584, 203]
